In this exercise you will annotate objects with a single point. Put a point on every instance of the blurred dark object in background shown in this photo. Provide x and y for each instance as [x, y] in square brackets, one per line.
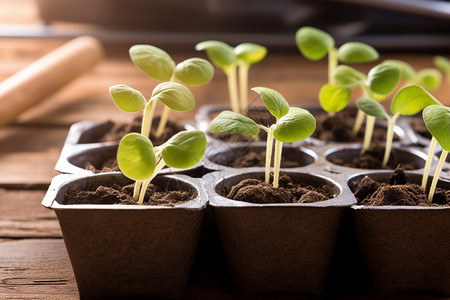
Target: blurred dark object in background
[386, 24]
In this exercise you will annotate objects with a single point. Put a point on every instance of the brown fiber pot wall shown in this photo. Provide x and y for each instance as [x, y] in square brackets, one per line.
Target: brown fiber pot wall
[129, 250]
[405, 249]
[274, 248]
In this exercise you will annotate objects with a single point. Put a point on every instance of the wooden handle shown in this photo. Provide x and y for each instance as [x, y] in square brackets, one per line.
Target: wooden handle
[46, 75]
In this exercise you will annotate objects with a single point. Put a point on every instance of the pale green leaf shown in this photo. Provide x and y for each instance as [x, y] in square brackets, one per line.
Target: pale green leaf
[407, 72]
[442, 63]
[273, 100]
[155, 62]
[221, 54]
[437, 120]
[371, 107]
[430, 79]
[411, 100]
[334, 98]
[228, 121]
[348, 76]
[194, 71]
[313, 43]
[185, 149]
[127, 98]
[383, 78]
[175, 95]
[356, 52]
[136, 157]
[297, 125]
[250, 53]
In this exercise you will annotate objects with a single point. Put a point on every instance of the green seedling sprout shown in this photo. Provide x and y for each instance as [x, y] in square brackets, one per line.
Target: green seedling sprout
[443, 64]
[315, 44]
[230, 60]
[407, 101]
[293, 124]
[158, 64]
[140, 161]
[437, 120]
[380, 81]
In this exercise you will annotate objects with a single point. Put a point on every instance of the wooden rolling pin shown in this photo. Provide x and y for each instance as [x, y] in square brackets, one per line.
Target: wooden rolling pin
[46, 75]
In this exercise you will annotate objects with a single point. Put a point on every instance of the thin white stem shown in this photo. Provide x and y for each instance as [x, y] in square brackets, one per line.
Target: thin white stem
[243, 86]
[277, 162]
[370, 124]
[358, 122]
[136, 190]
[162, 121]
[436, 175]
[426, 169]
[147, 118]
[389, 138]
[145, 184]
[269, 146]
[233, 89]
[332, 64]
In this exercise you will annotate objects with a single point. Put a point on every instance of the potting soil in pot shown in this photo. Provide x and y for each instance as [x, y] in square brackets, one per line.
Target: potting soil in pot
[258, 159]
[398, 191]
[256, 191]
[117, 194]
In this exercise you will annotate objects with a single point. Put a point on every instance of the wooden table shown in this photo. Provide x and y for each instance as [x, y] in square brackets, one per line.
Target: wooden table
[33, 260]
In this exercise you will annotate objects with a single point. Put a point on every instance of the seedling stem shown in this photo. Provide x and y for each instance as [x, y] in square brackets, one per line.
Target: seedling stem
[426, 170]
[436, 175]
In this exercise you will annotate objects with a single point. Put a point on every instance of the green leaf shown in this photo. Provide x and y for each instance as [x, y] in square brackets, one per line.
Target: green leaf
[411, 100]
[407, 72]
[194, 71]
[274, 101]
[127, 98]
[442, 63]
[136, 157]
[228, 121]
[371, 107]
[155, 62]
[313, 43]
[347, 76]
[175, 95]
[430, 79]
[250, 53]
[185, 149]
[383, 78]
[355, 52]
[334, 98]
[296, 125]
[437, 120]
[221, 54]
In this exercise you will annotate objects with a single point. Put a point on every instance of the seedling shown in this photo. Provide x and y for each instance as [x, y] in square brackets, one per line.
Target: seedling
[139, 160]
[230, 60]
[437, 120]
[380, 81]
[292, 124]
[158, 64]
[429, 78]
[315, 44]
[407, 101]
[443, 64]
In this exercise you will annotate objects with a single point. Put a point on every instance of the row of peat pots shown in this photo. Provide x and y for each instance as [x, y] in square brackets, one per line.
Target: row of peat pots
[326, 242]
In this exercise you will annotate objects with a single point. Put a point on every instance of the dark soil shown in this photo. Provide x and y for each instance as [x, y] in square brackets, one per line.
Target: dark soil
[109, 165]
[339, 128]
[256, 191]
[419, 127]
[372, 159]
[398, 191]
[259, 115]
[124, 195]
[116, 131]
[258, 159]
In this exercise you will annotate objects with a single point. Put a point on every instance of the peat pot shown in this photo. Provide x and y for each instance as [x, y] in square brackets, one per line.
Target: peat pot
[405, 249]
[275, 248]
[132, 251]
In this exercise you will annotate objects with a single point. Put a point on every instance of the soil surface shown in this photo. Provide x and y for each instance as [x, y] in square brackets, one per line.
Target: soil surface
[109, 165]
[256, 191]
[124, 195]
[257, 158]
[398, 191]
[339, 128]
[372, 159]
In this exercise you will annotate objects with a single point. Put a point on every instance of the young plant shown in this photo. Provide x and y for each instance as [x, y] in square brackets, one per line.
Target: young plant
[292, 124]
[158, 64]
[139, 160]
[230, 60]
[315, 44]
[429, 78]
[443, 64]
[437, 120]
[380, 81]
[407, 101]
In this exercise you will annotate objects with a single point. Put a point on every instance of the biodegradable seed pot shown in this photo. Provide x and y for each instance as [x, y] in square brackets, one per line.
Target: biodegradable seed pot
[129, 250]
[272, 248]
[404, 248]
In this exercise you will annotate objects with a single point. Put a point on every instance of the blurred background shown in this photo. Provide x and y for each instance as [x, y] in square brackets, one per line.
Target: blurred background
[388, 25]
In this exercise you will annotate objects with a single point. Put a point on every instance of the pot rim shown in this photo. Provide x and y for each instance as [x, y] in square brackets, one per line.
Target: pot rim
[345, 197]
[61, 183]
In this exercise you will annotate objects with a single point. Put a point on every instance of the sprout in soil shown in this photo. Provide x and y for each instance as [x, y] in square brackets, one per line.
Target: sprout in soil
[443, 64]
[437, 120]
[230, 60]
[407, 101]
[379, 82]
[140, 161]
[158, 64]
[315, 44]
[293, 124]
